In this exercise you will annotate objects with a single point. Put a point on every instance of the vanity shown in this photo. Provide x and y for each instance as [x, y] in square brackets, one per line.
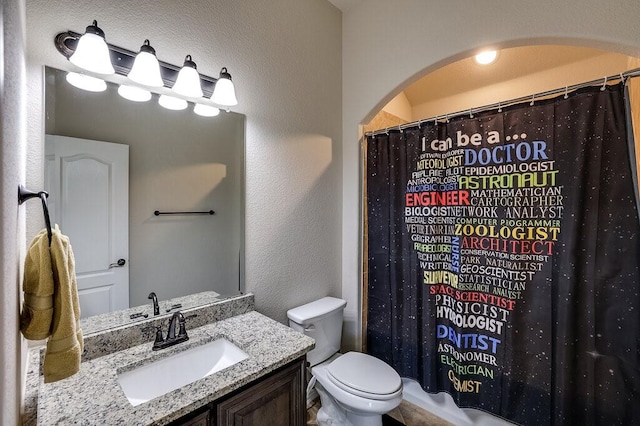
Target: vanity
[266, 387]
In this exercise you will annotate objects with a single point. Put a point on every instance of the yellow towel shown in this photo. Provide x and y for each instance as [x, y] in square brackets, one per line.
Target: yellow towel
[37, 309]
[65, 345]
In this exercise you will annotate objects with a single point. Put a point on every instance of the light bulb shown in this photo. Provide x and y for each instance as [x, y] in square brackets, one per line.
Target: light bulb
[206, 110]
[188, 80]
[486, 57]
[86, 82]
[146, 69]
[224, 93]
[92, 52]
[135, 94]
[172, 103]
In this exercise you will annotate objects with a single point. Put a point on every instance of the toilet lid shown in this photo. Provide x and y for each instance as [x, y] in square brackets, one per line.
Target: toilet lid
[364, 373]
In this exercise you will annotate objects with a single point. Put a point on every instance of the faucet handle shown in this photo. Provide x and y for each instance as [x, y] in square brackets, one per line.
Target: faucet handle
[174, 306]
[183, 329]
[182, 332]
[159, 338]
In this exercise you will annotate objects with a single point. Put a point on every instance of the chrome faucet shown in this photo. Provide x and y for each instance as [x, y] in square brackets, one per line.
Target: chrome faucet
[177, 320]
[156, 308]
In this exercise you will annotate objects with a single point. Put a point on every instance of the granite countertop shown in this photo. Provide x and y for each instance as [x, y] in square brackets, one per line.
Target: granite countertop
[98, 323]
[93, 395]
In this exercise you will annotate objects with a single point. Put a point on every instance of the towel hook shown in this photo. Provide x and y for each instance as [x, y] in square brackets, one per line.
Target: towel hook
[25, 194]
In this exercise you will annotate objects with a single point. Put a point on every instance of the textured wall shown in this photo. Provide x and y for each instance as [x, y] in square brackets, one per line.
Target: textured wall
[285, 59]
[12, 152]
[388, 45]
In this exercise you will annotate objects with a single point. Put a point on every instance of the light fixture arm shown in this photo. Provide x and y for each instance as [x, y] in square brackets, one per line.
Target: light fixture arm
[122, 60]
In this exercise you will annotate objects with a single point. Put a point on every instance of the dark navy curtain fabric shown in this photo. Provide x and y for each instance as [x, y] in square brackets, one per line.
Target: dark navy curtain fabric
[503, 260]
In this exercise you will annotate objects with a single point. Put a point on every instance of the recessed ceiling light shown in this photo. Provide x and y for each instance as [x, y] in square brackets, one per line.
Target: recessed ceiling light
[486, 57]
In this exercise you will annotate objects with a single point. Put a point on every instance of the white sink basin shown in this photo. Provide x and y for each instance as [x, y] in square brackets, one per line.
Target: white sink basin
[159, 377]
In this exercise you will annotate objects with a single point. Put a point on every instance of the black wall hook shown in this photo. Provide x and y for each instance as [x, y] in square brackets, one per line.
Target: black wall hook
[25, 194]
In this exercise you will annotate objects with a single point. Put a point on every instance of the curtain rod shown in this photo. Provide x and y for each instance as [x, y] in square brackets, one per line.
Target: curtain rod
[623, 75]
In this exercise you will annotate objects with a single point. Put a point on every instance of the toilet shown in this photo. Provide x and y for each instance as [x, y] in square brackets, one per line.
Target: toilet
[355, 389]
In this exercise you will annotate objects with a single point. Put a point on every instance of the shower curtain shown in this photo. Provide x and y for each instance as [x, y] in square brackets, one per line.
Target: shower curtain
[503, 259]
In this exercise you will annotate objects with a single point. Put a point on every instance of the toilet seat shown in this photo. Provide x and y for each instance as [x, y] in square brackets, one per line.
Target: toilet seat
[365, 376]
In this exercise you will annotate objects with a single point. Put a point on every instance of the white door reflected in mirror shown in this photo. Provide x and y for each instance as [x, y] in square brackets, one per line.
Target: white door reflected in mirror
[88, 185]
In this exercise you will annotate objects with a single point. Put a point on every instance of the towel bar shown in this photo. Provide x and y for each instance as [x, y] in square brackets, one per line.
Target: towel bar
[158, 213]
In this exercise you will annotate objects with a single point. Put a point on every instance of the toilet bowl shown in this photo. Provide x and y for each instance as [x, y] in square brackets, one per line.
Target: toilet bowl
[355, 389]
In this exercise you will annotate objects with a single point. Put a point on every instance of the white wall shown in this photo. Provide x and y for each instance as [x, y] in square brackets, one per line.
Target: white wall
[388, 45]
[285, 60]
[12, 171]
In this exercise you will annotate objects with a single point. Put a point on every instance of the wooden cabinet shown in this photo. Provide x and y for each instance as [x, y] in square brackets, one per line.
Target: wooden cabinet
[278, 399]
[202, 419]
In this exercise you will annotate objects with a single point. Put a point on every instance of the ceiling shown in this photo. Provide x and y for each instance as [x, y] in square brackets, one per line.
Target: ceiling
[467, 75]
[344, 4]
[512, 64]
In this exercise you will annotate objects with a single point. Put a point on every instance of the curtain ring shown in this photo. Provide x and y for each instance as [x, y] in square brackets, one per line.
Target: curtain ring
[533, 99]
[499, 107]
[604, 85]
[566, 92]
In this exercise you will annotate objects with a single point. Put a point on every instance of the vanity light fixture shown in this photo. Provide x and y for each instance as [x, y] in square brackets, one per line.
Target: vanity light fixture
[224, 93]
[92, 52]
[172, 103]
[146, 68]
[188, 81]
[185, 82]
[86, 82]
[134, 93]
[486, 57]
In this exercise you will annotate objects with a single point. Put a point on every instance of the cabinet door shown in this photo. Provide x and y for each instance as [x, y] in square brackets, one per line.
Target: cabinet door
[199, 420]
[201, 417]
[278, 400]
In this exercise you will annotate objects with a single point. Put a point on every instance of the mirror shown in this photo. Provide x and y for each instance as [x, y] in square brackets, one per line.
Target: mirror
[178, 162]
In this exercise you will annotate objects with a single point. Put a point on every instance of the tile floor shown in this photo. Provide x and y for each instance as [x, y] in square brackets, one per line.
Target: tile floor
[406, 414]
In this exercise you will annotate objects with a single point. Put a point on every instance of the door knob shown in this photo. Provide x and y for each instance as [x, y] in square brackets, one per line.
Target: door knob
[120, 263]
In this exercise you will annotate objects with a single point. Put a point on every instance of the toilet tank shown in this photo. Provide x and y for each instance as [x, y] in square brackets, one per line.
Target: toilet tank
[321, 320]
